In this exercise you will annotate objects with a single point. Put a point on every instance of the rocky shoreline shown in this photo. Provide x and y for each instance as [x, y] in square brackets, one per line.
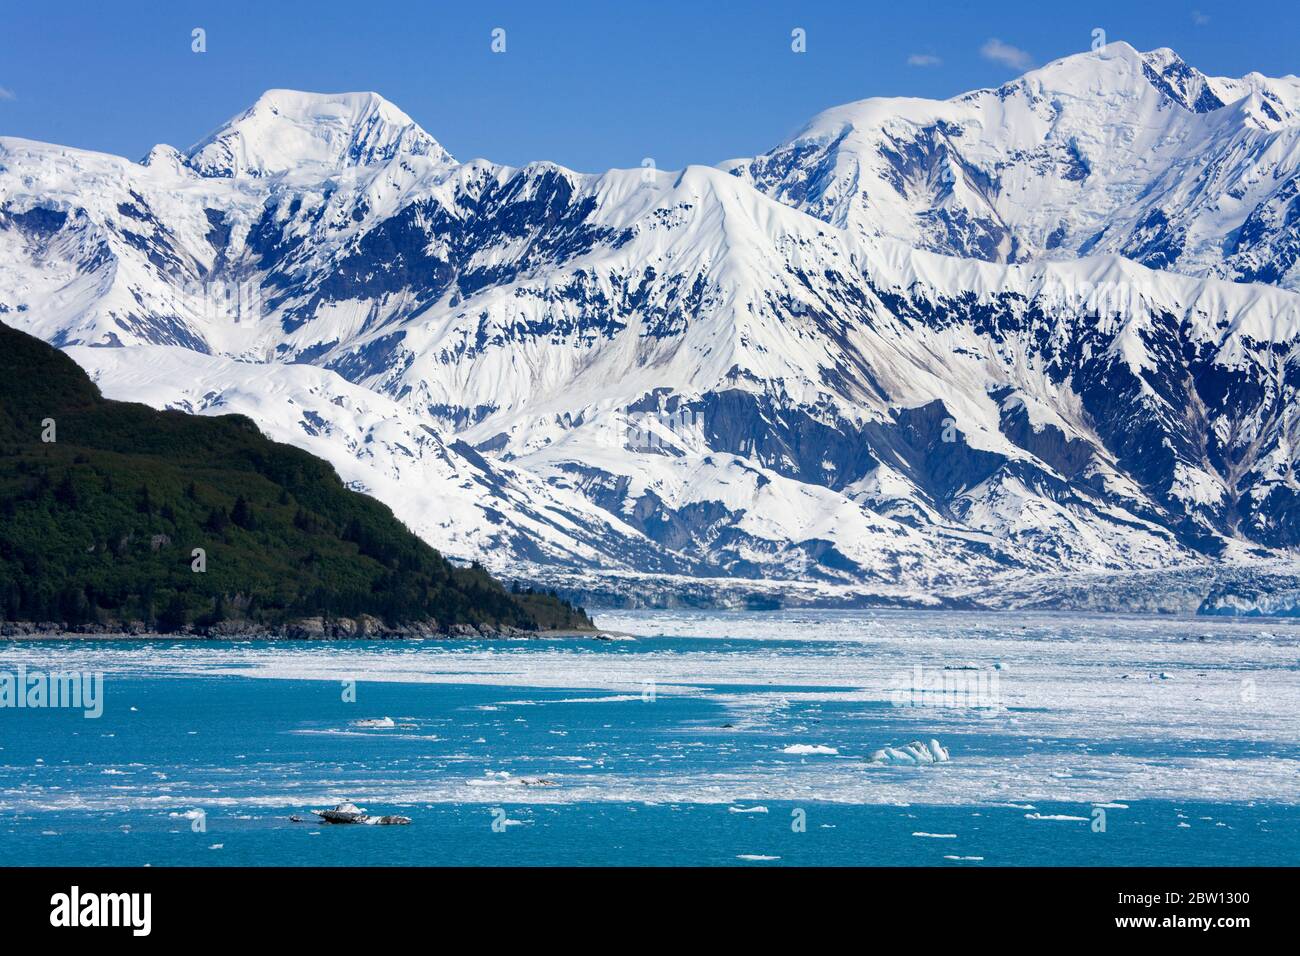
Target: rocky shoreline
[304, 629]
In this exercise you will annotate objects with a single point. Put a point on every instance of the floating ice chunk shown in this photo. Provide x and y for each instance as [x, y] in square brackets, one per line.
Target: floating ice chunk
[935, 836]
[381, 722]
[748, 809]
[343, 813]
[809, 749]
[351, 813]
[756, 857]
[1054, 816]
[917, 752]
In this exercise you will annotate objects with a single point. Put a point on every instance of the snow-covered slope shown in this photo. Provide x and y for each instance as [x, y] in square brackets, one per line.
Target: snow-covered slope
[1116, 151]
[286, 130]
[447, 493]
[712, 372]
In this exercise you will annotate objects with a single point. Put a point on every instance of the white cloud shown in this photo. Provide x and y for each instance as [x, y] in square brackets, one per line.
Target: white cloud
[7, 94]
[1199, 18]
[924, 59]
[1006, 54]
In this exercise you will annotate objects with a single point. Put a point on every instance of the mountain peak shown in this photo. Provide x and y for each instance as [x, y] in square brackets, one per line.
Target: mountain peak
[1183, 84]
[288, 130]
[1120, 66]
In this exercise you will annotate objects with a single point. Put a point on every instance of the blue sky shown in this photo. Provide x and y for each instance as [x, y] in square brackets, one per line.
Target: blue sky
[590, 85]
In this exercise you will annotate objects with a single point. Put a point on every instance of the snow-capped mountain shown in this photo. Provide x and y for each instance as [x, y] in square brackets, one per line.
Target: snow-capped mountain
[861, 358]
[1116, 151]
[287, 130]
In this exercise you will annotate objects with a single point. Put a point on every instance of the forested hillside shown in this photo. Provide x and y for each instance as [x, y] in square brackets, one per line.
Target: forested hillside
[117, 514]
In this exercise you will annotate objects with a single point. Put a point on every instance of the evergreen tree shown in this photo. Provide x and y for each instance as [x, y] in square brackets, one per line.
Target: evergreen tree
[66, 492]
[217, 521]
[242, 514]
[174, 616]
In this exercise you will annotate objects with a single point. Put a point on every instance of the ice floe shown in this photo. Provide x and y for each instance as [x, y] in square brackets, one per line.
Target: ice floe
[1196, 735]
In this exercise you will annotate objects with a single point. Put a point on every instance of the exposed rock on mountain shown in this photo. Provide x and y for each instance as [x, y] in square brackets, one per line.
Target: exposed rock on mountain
[1048, 327]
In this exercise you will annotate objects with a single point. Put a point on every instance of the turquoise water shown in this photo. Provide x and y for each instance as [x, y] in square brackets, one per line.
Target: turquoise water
[748, 747]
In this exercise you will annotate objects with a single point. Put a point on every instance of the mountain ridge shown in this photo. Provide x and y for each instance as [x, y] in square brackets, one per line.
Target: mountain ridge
[1093, 152]
[705, 372]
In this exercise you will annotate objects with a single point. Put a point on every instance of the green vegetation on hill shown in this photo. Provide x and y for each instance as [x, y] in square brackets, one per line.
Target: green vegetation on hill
[100, 525]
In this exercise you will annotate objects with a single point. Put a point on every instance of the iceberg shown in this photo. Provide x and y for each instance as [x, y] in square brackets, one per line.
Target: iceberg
[351, 813]
[917, 752]
[343, 813]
